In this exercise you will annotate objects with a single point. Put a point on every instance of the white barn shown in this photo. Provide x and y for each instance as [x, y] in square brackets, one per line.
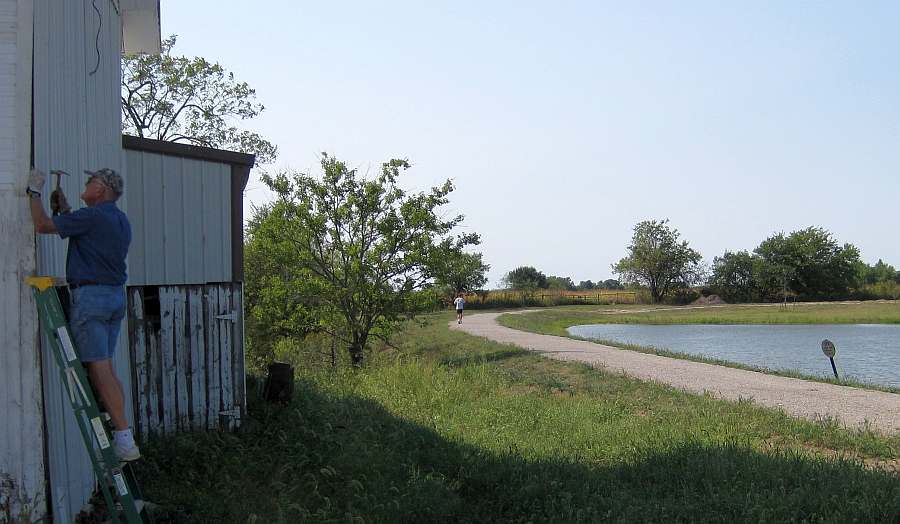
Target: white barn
[60, 76]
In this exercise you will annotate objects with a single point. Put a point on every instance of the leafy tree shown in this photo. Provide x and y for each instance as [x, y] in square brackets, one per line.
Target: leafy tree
[554, 282]
[611, 283]
[189, 100]
[733, 276]
[461, 272]
[366, 247]
[814, 265]
[280, 301]
[525, 278]
[658, 260]
[880, 272]
[585, 285]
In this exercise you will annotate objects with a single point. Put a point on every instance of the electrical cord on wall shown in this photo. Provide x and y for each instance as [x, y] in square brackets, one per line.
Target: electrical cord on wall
[97, 40]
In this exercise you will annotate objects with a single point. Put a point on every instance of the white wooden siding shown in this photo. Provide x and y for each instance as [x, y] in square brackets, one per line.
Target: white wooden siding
[22, 487]
[188, 350]
[180, 213]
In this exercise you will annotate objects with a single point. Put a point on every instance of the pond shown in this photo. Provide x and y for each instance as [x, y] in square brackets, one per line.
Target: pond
[865, 352]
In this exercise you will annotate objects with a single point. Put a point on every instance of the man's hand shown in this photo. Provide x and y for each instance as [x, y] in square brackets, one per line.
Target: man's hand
[36, 181]
[58, 203]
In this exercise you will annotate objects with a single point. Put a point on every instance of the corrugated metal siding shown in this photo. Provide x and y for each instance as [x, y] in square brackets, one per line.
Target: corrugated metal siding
[180, 218]
[76, 127]
[22, 489]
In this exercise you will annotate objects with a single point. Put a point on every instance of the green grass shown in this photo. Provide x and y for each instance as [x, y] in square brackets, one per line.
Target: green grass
[555, 321]
[454, 428]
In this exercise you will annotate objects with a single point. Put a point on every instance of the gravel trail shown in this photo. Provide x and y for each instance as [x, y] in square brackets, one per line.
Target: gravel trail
[852, 407]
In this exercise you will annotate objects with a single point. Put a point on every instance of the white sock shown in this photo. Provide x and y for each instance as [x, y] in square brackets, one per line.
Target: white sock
[124, 438]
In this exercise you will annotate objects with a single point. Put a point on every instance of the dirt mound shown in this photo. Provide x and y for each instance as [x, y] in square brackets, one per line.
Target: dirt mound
[708, 301]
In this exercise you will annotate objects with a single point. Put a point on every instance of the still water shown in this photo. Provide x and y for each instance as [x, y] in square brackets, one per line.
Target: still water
[866, 352]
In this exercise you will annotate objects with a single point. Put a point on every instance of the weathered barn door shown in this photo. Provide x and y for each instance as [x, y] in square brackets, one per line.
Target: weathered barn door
[187, 345]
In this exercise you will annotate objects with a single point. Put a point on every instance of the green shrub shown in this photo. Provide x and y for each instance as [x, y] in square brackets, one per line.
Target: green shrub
[881, 290]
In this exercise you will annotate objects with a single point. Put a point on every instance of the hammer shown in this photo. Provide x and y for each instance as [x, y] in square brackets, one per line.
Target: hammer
[58, 202]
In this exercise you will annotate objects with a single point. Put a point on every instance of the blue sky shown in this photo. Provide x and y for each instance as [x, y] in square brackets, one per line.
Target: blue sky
[564, 126]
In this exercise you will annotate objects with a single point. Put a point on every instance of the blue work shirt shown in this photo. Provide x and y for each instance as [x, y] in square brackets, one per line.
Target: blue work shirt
[99, 237]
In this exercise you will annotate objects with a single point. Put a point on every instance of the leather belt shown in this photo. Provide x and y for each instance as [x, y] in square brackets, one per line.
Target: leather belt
[73, 285]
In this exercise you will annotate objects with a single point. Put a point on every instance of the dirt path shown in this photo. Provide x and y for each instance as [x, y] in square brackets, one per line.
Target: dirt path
[852, 407]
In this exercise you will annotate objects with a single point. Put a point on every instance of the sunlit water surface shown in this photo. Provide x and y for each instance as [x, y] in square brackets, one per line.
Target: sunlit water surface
[866, 352]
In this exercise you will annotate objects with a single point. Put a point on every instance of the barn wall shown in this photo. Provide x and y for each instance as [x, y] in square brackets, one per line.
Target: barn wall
[180, 212]
[76, 127]
[22, 489]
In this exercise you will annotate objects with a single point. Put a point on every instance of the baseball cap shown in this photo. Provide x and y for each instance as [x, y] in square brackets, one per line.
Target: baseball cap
[110, 179]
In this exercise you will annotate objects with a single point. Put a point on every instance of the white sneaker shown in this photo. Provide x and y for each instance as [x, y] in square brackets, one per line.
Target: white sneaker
[126, 453]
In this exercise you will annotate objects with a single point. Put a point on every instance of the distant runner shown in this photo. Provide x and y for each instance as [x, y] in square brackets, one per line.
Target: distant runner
[459, 303]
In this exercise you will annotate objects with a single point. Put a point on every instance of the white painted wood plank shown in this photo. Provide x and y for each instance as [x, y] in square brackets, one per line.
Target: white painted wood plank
[167, 341]
[181, 360]
[198, 356]
[240, 373]
[137, 344]
[154, 379]
[211, 297]
[226, 329]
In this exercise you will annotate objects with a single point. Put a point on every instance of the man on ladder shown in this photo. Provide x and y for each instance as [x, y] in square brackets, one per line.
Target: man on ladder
[99, 236]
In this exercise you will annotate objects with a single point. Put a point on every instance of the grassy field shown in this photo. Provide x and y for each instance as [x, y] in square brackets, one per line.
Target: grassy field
[555, 322]
[454, 428]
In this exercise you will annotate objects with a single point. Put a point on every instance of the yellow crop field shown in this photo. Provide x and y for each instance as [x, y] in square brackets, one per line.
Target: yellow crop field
[501, 297]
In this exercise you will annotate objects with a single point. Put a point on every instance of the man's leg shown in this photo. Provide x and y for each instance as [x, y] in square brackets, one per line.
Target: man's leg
[97, 313]
[104, 379]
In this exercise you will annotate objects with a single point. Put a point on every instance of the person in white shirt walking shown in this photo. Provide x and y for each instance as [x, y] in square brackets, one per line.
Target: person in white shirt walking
[459, 303]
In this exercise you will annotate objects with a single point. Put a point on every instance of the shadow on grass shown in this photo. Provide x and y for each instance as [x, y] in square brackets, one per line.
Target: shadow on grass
[481, 357]
[324, 458]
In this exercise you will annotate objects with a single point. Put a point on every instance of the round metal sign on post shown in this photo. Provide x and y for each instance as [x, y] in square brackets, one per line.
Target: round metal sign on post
[828, 348]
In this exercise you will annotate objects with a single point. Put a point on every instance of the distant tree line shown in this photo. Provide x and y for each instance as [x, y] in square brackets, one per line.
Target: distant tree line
[808, 264]
[527, 278]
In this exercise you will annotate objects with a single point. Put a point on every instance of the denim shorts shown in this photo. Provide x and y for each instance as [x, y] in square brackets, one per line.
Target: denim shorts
[96, 318]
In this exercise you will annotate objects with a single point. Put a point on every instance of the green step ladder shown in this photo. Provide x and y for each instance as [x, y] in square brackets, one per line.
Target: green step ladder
[117, 480]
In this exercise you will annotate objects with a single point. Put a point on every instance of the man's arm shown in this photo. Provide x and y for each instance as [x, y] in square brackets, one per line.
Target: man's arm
[42, 223]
